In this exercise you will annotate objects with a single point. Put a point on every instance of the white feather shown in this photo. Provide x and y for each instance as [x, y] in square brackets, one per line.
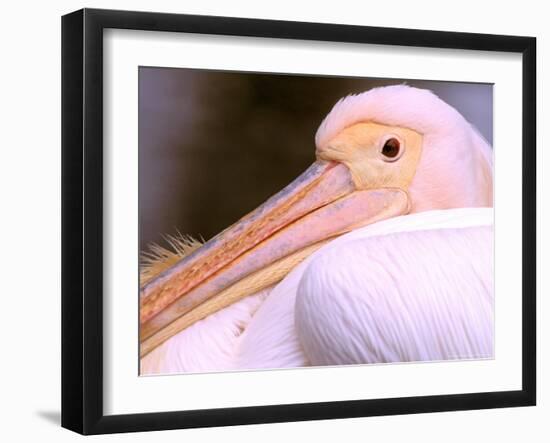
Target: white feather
[271, 339]
[206, 346]
[407, 296]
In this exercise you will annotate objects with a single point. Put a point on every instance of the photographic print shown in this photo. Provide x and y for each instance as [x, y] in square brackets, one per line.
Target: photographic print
[291, 221]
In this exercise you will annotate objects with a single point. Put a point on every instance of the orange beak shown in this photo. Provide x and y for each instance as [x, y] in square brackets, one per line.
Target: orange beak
[320, 204]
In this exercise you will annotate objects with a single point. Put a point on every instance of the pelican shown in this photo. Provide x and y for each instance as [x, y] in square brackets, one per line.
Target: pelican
[380, 252]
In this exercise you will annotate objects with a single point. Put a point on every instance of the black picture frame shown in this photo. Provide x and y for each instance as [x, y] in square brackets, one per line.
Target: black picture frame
[82, 220]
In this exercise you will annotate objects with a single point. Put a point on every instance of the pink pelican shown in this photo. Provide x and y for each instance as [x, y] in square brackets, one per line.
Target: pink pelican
[381, 251]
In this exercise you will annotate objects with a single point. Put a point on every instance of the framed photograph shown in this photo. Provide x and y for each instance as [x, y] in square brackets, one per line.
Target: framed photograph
[269, 221]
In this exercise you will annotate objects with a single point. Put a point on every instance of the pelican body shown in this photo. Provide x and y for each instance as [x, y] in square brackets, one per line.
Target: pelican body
[380, 252]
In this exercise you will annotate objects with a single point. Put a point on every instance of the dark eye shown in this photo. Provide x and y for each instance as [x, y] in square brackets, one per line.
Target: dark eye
[391, 148]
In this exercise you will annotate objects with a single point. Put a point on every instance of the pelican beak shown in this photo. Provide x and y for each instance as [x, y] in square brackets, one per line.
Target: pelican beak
[320, 204]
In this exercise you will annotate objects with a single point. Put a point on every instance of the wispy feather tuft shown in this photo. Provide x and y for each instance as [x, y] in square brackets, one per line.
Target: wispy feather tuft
[157, 258]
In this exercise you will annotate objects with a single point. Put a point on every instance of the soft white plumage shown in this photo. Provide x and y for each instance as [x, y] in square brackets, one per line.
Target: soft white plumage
[345, 305]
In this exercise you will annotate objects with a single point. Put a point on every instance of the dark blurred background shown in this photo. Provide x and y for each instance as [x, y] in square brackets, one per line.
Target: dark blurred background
[214, 145]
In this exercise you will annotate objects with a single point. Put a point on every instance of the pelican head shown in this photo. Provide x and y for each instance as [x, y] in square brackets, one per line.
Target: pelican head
[386, 152]
[408, 138]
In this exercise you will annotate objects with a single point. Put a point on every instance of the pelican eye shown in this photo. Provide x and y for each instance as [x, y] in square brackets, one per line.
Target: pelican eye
[391, 149]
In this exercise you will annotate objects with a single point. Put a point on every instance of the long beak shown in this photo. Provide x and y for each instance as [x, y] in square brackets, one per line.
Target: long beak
[320, 204]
